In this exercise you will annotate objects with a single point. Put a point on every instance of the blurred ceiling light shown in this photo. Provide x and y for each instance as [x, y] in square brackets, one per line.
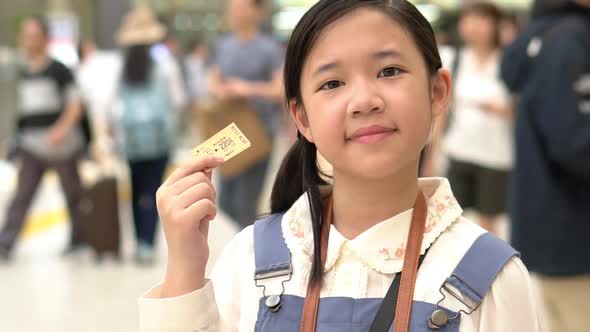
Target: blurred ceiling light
[451, 4]
[286, 19]
[430, 12]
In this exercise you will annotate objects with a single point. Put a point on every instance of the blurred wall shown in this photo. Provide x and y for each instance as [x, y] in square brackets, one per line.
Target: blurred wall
[7, 108]
[108, 16]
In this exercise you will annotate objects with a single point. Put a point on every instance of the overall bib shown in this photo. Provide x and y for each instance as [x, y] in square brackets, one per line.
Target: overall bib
[470, 280]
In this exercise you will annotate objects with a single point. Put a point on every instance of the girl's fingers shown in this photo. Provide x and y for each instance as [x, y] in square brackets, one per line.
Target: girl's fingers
[197, 165]
[194, 194]
[201, 211]
[188, 182]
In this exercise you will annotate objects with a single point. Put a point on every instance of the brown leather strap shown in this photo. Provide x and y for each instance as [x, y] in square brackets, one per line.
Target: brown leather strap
[405, 298]
[408, 278]
[312, 299]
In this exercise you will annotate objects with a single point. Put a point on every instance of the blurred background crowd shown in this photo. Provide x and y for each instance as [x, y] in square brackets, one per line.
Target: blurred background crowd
[101, 99]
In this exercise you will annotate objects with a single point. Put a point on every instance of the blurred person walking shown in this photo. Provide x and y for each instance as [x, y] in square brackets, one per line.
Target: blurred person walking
[548, 67]
[196, 68]
[150, 96]
[86, 54]
[48, 132]
[248, 64]
[197, 72]
[478, 141]
[509, 29]
[88, 73]
[168, 53]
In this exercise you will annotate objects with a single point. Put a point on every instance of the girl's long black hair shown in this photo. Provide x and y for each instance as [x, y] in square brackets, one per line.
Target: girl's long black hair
[299, 173]
[137, 65]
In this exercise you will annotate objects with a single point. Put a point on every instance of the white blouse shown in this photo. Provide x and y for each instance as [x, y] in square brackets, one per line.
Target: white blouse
[475, 135]
[360, 268]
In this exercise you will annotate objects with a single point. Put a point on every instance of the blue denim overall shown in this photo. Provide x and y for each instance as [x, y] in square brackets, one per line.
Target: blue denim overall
[472, 277]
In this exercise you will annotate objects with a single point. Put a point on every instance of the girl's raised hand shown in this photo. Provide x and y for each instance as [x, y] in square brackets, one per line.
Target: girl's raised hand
[186, 205]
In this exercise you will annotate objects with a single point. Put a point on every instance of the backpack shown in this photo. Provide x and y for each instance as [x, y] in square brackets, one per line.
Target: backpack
[146, 123]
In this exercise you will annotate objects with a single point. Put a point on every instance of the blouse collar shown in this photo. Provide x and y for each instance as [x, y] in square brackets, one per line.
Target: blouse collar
[382, 246]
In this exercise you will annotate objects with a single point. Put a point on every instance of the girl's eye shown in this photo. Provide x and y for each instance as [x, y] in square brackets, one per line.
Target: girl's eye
[389, 72]
[331, 85]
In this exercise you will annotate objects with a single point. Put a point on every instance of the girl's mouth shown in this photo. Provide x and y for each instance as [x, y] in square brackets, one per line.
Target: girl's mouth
[371, 134]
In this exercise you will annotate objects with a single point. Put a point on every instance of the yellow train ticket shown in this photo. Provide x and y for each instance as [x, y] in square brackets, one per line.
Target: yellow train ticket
[227, 143]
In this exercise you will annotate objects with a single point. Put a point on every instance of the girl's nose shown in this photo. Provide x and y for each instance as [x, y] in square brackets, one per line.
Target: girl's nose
[365, 99]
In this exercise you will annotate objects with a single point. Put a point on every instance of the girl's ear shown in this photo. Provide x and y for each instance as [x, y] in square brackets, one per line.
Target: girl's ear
[440, 92]
[298, 115]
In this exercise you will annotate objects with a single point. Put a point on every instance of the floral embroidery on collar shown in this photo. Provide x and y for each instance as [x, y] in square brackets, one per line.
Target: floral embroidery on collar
[381, 247]
[397, 254]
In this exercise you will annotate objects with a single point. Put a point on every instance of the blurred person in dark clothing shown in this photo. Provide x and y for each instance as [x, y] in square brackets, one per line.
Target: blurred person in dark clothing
[248, 64]
[548, 67]
[48, 135]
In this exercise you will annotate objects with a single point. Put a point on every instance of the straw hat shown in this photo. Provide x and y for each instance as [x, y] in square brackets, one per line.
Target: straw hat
[140, 27]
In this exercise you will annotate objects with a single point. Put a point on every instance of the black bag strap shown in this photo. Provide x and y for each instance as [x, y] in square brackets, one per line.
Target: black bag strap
[384, 317]
[45, 120]
[456, 62]
[454, 72]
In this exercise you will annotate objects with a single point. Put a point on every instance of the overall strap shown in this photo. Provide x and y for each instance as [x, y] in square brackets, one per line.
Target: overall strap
[403, 308]
[271, 254]
[477, 270]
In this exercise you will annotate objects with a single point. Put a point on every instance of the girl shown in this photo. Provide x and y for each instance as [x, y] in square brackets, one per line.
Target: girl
[479, 137]
[364, 83]
[150, 95]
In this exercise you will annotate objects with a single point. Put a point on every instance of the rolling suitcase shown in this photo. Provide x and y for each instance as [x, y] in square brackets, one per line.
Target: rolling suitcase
[99, 218]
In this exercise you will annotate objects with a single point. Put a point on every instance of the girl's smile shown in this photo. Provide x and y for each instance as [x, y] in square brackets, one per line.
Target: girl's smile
[371, 134]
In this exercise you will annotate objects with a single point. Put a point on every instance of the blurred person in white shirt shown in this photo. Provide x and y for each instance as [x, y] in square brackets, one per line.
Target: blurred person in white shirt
[478, 133]
[196, 67]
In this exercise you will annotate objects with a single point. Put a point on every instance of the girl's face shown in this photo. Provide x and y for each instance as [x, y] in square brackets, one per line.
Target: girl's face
[368, 99]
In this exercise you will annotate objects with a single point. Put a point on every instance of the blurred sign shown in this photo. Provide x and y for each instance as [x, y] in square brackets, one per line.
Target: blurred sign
[456, 3]
[290, 11]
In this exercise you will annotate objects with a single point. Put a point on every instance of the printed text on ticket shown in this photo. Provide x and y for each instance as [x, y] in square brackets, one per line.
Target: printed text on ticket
[227, 143]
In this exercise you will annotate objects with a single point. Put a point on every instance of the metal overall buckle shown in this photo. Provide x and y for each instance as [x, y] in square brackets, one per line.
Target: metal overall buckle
[273, 302]
[439, 317]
